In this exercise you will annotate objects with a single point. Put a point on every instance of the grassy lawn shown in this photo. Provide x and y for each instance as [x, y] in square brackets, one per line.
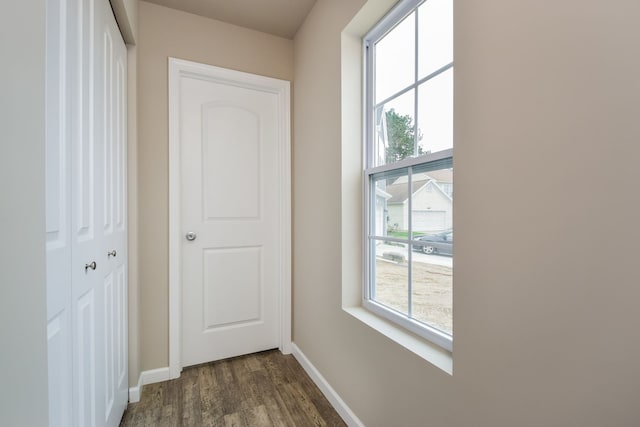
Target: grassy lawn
[404, 234]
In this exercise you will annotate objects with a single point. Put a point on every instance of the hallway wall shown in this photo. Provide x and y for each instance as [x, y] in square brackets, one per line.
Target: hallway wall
[23, 310]
[547, 100]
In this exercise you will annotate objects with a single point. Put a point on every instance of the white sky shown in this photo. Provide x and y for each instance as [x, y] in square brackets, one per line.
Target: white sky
[395, 70]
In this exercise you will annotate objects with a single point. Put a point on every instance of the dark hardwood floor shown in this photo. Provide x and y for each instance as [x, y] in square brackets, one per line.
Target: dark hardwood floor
[263, 389]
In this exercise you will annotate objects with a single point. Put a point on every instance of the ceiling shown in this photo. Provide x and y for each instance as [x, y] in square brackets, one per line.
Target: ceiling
[278, 17]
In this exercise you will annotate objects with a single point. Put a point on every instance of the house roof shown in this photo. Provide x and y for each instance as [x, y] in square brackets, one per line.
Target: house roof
[399, 190]
[440, 175]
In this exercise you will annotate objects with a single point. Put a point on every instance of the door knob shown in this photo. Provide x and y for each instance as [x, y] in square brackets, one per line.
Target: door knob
[92, 266]
[191, 236]
[113, 253]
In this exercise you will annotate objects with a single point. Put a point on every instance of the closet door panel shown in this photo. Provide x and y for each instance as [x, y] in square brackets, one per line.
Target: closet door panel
[88, 265]
[122, 365]
[109, 337]
[84, 368]
[120, 224]
[57, 214]
[111, 114]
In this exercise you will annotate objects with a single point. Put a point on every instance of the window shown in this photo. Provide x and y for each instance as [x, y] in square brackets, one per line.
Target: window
[409, 168]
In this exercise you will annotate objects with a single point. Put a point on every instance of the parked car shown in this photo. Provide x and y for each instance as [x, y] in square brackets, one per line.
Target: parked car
[437, 244]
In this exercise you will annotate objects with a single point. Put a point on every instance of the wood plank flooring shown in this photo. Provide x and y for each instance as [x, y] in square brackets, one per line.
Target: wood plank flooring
[262, 389]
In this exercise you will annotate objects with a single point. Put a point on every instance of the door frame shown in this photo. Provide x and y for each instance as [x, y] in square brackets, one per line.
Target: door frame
[177, 69]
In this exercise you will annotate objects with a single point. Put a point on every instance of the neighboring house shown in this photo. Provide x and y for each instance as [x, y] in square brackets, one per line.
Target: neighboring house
[381, 138]
[432, 202]
[381, 211]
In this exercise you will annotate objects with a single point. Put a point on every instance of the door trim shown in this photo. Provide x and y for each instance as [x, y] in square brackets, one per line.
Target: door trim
[177, 69]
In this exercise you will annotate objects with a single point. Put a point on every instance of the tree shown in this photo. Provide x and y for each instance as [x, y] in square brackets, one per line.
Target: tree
[400, 137]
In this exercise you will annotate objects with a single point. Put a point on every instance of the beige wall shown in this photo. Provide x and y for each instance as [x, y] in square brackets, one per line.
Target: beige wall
[546, 279]
[167, 33]
[23, 322]
[132, 215]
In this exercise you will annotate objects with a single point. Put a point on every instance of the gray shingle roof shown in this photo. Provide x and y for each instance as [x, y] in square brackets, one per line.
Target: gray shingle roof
[399, 190]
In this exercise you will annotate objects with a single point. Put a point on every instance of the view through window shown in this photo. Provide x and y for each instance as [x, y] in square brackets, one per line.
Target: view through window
[409, 168]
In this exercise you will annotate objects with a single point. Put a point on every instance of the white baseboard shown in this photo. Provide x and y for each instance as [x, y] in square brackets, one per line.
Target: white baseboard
[136, 391]
[340, 406]
[147, 377]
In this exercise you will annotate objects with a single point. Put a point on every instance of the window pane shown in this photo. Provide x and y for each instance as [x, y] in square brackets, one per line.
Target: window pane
[432, 245]
[395, 60]
[435, 113]
[394, 199]
[378, 208]
[390, 275]
[432, 202]
[435, 36]
[432, 289]
[395, 130]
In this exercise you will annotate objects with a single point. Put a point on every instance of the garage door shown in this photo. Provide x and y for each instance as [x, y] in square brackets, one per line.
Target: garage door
[429, 220]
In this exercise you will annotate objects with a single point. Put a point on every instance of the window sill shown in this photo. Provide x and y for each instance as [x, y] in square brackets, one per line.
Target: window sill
[432, 353]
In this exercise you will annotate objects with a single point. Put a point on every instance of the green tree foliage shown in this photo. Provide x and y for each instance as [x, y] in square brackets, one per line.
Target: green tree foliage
[400, 134]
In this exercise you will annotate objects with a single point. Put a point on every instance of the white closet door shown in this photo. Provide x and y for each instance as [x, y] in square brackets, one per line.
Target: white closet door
[111, 128]
[86, 214]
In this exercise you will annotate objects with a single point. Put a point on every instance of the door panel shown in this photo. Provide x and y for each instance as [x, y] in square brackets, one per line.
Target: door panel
[86, 207]
[121, 335]
[59, 365]
[107, 131]
[109, 341]
[229, 139]
[120, 125]
[111, 131]
[85, 386]
[232, 287]
[58, 223]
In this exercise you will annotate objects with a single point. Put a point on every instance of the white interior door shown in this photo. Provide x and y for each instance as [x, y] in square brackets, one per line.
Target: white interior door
[229, 136]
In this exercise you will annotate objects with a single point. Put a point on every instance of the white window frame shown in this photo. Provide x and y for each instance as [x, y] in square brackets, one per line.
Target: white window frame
[393, 18]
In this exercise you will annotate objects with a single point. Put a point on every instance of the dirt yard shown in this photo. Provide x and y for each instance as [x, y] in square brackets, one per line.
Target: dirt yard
[432, 291]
